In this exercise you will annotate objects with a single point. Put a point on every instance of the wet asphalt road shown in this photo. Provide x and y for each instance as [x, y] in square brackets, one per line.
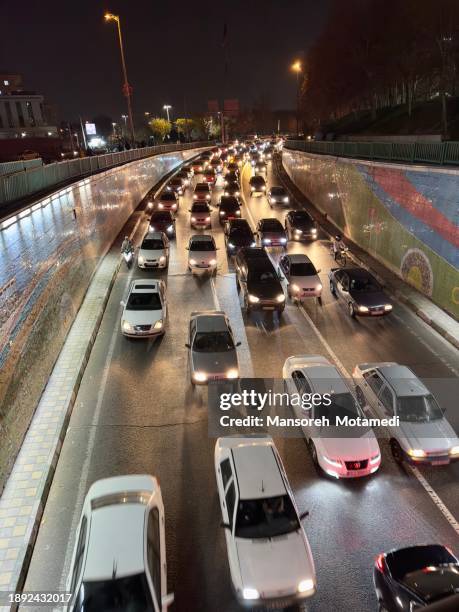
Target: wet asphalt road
[136, 412]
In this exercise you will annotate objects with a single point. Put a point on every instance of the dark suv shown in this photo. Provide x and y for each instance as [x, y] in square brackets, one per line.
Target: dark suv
[258, 280]
[238, 234]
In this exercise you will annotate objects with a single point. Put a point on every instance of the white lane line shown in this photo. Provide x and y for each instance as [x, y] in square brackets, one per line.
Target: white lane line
[436, 499]
[214, 294]
[249, 212]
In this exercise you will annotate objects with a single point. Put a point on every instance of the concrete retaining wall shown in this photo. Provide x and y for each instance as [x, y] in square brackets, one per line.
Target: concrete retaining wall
[48, 257]
[405, 216]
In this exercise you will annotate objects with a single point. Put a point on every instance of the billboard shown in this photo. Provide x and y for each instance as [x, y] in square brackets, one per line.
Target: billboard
[90, 129]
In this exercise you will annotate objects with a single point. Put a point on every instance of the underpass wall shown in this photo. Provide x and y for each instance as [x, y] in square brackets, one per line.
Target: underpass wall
[48, 256]
[405, 216]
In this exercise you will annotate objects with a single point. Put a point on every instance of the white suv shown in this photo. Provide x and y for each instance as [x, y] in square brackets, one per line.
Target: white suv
[119, 558]
[269, 555]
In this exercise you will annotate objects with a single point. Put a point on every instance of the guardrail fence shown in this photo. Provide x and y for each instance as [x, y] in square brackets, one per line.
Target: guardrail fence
[441, 153]
[19, 182]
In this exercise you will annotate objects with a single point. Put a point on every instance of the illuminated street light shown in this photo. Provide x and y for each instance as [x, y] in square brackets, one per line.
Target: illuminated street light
[297, 67]
[126, 86]
[166, 107]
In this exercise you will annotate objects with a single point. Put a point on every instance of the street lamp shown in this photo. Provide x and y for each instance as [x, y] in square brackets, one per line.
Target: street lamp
[298, 69]
[166, 107]
[126, 87]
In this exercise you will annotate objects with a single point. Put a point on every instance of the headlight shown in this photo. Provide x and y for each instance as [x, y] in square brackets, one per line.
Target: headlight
[231, 245]
[319, 287]
[363, 309]
[417, 453]
[170, 228]
[283, 240]
[263, 188]
[233, 373]
[237, 193]
[375, 460]
[174, 206]
[162, 259]
[238, 213]
[253, 299]
[295, 287]
[388, 307]
[266, 240]
[160, 205]
[152, 228]
[280, 298]
[254, 244]
[454, 450]
[150, 205]
[298, 231]
[193, 219]
[192, 262]
[222, 213]
[207, 219]
[249, 593]
[195, 197]
[200, 376]
[314, 230]
[212, 262]
[331, 462]
[158, 325]
[208, 196]
[127, 327]
[226, 193]
[305, 585]
[141, 260]
[286, 199]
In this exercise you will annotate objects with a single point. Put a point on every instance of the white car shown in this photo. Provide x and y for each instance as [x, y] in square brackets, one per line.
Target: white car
[302, 277]
[154, 251]
[423, 435]
[202, 253]
[269, 556]
[353, 455]
[119, 558]
[145, 309]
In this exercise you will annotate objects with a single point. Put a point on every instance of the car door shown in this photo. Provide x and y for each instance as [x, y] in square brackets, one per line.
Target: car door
[371, 386]
[342, 286]
[386, 402]
[154, 555]
[162, 292]
[284, 265]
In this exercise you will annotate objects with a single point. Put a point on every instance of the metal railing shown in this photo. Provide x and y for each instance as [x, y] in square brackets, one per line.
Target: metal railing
[16, 166]
[25, 182]
[441, 153]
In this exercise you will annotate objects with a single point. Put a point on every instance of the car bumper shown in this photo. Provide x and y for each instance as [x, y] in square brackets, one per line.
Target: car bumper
[303, 236]
[201, 224]
[440, 459]
[156, 265]
[202, 268]
[267, 307]
[304, 295]
[371, 314]
[147, 334]
[342, 472]
[274, 602]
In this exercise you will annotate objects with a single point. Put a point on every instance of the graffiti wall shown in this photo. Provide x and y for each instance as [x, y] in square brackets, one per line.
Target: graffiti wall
[405, 216]
[48, 256]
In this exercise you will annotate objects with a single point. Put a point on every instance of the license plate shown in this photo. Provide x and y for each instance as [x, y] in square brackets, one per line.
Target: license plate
[377, 312]
[441, 462]
[355, 472]
[268, 307]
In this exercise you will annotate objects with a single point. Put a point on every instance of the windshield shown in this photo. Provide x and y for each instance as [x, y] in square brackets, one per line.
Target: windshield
[241, 235]
[229, 206]
[418, 409]
[213, 342]
[152, 244]
[342, 405]
[301, 217]
[200, 208]
[364, 284]
[408, 560]
[168, 196]
[266, 518]
[165, 217]
[144, 301]
[277, 191]
[271, 226]
[129, 594]
[257, 181]
[261, 275]
[202, 245]
[302, 269]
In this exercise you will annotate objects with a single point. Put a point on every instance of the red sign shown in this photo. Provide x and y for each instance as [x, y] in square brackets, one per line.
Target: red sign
[212, 106]
[231, 107]
[127, 90]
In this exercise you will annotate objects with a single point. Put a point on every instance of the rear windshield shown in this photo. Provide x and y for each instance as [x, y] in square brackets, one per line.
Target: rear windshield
[143, 301]
[130, 593]
[408, 560]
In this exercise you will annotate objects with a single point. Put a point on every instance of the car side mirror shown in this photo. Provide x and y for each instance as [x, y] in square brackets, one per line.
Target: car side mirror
[189, 210]
[225, 525]
[187, 345]
[304, 515]
[167, 600]
[123, 303]
[319, 271]
[238, 343]
[187, 248]
[281, 278]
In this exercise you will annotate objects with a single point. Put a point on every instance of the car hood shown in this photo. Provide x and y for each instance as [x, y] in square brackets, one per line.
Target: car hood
[433, 436]
[152, 253]
[306, 281]
[350, 448]
[276, 234]
[142, 317]
[305, 226]
[275, 567]
[264, 290]
[372, 298]
[214, 363]
[203, 255]
[241, 239]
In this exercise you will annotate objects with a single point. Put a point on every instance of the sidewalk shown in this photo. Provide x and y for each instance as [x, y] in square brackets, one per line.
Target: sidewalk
[434, 316]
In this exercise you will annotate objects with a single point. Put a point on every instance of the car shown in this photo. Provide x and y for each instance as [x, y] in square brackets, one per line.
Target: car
[202, 253]
[163, 221]
[197, 166]
[212, 349]
[231, 177]
[269, 556]
[258, 281]
[299, 225]
[175, 185]
[260, 166]
[237, 237]
[278, 195]
[233, 167]
[232, 189]
[200, 215]
[257, 184]
[167, 200]
[229, 208]
[354, 454]
[359, 291]
[412, 578]
[202, 192]
[210, 176]
[423, 434]
[185, 177]
[238, 159]
[268, 152]
[188, 168]
[271, 233]
[302, 277]
[216, 164]
[119, 557]
[145, 309]
[154, 251]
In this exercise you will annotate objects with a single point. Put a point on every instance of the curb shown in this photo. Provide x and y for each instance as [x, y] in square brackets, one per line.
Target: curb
[396, 293]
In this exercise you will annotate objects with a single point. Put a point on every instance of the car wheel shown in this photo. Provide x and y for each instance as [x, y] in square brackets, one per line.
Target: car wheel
[397, 452]
[360, 397]
[351, 310]
[332, 289]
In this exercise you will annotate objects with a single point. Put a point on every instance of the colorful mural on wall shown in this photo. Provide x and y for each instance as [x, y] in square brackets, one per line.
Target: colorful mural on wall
[405, 216]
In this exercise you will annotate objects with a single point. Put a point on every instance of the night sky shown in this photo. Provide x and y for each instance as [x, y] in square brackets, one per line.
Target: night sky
[66, 51]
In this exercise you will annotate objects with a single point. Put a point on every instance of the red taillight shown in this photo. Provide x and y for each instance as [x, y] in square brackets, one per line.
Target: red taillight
[380, 562]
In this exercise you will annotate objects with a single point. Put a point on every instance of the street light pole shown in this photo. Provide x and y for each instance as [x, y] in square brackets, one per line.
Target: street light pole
[166, 108]
[126, 86]
[297, 68]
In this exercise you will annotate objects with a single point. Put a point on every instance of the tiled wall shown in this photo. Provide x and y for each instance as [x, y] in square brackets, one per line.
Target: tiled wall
[405, 216]
[47, 259]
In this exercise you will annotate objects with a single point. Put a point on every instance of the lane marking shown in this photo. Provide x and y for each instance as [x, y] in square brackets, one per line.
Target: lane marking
[214, 295]
[435, 498]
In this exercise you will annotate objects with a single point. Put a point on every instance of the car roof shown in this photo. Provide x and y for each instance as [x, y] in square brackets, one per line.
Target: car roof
[145, 285]
[324, 378]
[116, 542]
[298, 258]
[357, 273]
[258, 474]
[402, 380]
[210, 321]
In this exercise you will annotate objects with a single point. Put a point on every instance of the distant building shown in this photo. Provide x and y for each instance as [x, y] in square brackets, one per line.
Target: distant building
[22, 112]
